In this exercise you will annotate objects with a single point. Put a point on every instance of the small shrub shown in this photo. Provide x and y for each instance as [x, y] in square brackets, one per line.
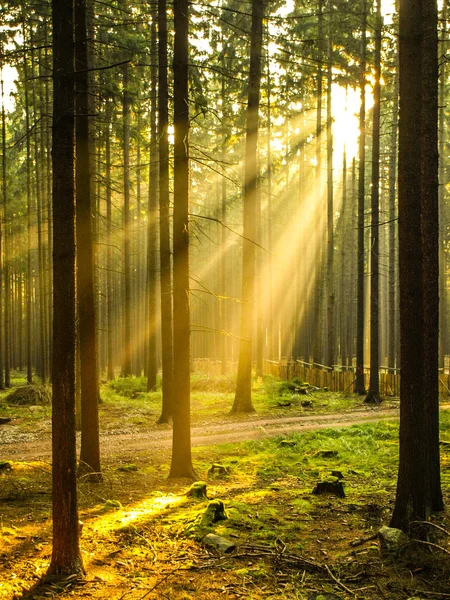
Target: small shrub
[130, 387]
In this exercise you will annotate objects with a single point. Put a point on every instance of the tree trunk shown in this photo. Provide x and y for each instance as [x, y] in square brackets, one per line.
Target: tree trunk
[430, 244]
[164, 220]
[87, 318]
[373, 394]
[126, 360]
[330, 215]
[66, 557]
[5, 341]
[243, 397]
[152, 237]
[418, 485]
[360, 386]
[181, 444]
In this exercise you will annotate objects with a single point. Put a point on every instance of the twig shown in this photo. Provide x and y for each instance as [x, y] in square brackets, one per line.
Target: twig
[432, 525]
[356, 543]
[424, 543]
[340, 584]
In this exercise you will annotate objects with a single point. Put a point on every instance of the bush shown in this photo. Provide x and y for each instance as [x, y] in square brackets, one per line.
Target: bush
[130, 387]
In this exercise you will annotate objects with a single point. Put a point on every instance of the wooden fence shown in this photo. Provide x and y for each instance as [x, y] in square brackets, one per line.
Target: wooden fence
[338, 379]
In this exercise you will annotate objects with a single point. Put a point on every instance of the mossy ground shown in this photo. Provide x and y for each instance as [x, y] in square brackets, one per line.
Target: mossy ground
[290, 543]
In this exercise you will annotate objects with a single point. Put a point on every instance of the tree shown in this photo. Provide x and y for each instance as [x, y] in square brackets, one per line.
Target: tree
[87, 318]
[181, 445]
[243, 396]
[360, 386]
[373, 394]
[418, 485]
[164, 219]
[152, 237]
[66, 557]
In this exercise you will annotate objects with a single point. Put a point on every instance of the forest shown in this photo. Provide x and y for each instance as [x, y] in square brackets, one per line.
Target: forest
[224, 357]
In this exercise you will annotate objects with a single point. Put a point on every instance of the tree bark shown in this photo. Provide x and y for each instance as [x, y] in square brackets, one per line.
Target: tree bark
[360, 386]
[87, 318]
[243, 397]
[66, 557]
[164, 220]
[373, 394]
[181, 443]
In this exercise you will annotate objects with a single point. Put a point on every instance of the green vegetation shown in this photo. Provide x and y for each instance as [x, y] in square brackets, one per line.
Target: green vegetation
[264, 487]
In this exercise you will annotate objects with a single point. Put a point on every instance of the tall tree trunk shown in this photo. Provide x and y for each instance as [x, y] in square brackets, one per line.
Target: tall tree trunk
[418, 485]
[126, 361]
[152, 237]
[164, 219]
[6, 257]
[330, 213]
[243, 397]
[66, 557]
[392, 328]
[430, 243]
[29, 287]
[443, 346]
[87, 318]
[373, 394]
[360, 386]
[109, 277]
[181, 444]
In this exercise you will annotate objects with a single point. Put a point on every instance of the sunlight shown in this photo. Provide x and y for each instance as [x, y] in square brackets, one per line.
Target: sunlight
[10, 76]
[345, 109]
[147, 508]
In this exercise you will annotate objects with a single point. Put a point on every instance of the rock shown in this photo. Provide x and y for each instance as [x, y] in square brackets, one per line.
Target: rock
[332, 486]
[197, 490]
[306, 403]
[5, 466]
[391, 540]
[5, 420]
[219, 543]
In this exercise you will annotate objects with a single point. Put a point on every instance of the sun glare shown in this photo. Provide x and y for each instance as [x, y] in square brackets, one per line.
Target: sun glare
[345, 108]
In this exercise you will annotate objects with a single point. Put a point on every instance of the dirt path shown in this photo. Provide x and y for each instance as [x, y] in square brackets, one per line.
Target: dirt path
[207, 434]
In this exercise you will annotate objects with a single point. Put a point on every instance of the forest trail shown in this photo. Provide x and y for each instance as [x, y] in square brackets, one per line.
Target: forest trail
[137, 443]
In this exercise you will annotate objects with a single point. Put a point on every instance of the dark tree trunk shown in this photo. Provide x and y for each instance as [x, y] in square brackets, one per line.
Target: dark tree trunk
[430, 243]
[126, 361]
[373, 394]
[109, 278]
[243, 398]
[152, 237]
[164, 219]
[66, 557]
[5, 341]
[360, 386]
[29, 225]
[87, 318]
[330, 216]
[418, 485]
[181, 445]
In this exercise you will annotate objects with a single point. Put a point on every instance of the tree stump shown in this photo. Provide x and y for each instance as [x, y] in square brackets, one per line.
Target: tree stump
[197, 490]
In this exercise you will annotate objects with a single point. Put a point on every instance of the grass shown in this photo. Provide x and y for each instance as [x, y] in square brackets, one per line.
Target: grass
[145, 537]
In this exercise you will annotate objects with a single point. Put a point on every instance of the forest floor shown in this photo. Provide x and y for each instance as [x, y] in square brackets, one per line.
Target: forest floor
[142, 535]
